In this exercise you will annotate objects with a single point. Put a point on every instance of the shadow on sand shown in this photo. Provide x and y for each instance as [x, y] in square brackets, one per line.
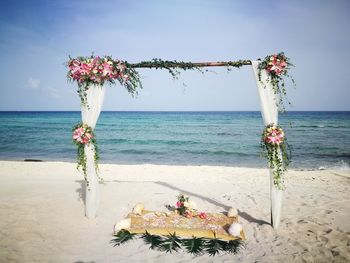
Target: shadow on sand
[246, 216]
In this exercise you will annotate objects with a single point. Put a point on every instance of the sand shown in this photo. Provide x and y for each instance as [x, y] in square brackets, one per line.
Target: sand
[42, 212]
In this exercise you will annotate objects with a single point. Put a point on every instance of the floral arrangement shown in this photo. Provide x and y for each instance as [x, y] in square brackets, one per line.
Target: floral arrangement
[183, 205]
[276, 150]
[187, 208]
[277, 67]
[98, 70]
[83, 135]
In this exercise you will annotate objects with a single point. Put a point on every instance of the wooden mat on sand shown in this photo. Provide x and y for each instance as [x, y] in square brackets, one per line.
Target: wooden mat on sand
[160, 223]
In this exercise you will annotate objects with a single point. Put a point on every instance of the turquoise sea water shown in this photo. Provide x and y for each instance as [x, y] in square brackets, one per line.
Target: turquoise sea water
[319, 139]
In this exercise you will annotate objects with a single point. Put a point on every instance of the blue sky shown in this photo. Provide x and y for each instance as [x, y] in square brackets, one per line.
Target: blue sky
[37, 37]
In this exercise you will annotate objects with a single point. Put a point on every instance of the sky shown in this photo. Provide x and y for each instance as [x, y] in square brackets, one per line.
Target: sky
[36, 38]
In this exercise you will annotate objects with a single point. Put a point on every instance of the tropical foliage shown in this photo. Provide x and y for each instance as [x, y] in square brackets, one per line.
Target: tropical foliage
[172, 243]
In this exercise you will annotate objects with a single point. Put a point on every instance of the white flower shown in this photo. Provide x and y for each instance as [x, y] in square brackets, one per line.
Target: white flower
[186, 204]
[122, 224]
[235, 230]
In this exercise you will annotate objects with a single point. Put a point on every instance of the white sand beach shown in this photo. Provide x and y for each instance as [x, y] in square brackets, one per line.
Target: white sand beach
[42, 212]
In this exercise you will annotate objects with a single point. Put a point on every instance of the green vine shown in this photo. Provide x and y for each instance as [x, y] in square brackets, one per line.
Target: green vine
[173, 67]
[83, 135]
[172, 243]
[277, 152]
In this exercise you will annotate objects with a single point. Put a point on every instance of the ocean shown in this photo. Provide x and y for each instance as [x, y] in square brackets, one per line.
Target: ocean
[320, 140]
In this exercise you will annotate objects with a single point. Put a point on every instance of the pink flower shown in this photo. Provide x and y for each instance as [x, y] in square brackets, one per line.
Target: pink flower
[81, 135]
[85, 69]
[74, 64]
[107, 69]
[178, 204]
[78, 133]
[283, 64]
[96, 60]
[202, 215]
[85, 140]
[275, 136]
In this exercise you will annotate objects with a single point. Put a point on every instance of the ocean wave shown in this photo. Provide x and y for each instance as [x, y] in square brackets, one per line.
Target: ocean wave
[228, 134]
[149, 142]
[341, 165]
[321, 126]
[139, 151]
[218, 152]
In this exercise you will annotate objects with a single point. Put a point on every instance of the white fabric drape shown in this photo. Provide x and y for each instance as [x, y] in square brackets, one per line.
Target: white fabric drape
[90, 114]
[269, 112]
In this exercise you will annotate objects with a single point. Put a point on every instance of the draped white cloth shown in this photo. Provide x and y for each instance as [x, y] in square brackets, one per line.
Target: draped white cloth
[90, 114]
[269, 112]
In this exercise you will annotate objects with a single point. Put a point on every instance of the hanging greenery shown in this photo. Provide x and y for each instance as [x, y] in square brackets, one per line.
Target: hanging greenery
[277, 67]
[83, 135]
[172, 243]
[276, 150]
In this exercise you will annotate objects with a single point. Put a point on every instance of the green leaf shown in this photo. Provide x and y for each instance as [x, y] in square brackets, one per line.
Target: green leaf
[171, 243]
[213, 246]
[194, 245]
[153, 240]
[233, 246]
[122, 237]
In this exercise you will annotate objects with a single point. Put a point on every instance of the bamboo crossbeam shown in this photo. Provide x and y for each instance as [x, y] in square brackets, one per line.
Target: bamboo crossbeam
[198, 64]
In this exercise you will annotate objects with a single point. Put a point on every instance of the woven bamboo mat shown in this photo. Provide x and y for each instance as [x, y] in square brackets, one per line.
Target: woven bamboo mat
[161, 223]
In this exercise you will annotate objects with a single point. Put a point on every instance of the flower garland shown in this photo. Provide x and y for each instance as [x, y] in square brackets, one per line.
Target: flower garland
[277, 67]
[276, 149]
[83, 135]
[98, 70]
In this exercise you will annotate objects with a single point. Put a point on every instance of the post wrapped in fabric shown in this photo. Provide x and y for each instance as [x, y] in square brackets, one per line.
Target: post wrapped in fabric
[269, 112]
[90, 111]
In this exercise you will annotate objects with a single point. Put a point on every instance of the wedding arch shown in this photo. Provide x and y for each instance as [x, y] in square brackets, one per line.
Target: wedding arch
[91, 73]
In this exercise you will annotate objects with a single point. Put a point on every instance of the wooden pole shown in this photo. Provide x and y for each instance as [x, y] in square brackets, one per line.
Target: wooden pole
[198, 64]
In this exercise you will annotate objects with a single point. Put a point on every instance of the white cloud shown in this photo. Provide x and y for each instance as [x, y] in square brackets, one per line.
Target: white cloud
[33, 83]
